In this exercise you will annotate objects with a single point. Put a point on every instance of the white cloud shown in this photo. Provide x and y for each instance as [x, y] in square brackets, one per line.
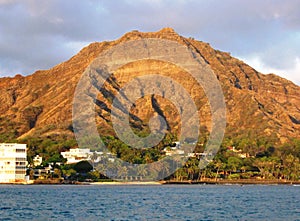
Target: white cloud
[38, 34]
[75, 46]
[292, 73]
[6, 2]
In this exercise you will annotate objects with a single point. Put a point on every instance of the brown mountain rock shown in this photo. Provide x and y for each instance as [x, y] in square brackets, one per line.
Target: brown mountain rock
[258, 105]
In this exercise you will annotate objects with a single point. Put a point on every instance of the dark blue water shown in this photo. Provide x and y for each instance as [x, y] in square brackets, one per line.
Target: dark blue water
[167, 202]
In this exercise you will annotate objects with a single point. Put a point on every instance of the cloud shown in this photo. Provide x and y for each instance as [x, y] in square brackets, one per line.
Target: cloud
[7, 2]
[39, 34]
[291, 73]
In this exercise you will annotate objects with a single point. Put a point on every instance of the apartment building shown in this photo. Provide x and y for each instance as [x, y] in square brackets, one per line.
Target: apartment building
[12, 162]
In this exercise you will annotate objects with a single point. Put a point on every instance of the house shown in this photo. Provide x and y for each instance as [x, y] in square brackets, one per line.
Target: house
[37, 160]
[197, 155]
[42, 173]
[174, 150]
[239, 153]
[13, 161]
[171, 152]
[76, 155]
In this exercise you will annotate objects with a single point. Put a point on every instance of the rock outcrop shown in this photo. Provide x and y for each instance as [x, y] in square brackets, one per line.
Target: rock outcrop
[258, 105]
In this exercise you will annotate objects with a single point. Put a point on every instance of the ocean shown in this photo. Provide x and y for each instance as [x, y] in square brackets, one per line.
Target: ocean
[149, 202]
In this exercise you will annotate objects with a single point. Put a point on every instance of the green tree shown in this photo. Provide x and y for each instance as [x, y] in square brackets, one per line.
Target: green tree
[291, 165]
[219, 165]
[234, 164]
[122, 171]
[83, 167]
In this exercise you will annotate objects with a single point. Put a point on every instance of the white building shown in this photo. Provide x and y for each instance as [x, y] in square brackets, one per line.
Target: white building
[175, 150]
[37, 160]
[12, 162]
[76, 155]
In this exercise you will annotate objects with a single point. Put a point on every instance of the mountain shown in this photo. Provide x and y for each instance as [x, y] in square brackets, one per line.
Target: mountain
[258, 105]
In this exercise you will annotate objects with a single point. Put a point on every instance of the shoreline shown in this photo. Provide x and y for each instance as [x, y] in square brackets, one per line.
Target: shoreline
[128, 183]
[169, 182]
[236, 182]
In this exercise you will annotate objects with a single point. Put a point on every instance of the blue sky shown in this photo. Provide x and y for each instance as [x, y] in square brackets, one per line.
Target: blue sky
[38, 34]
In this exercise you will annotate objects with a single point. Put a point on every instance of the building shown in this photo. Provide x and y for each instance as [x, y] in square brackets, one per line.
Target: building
[37, 160]
[174, 150]
[12, 162]
[76, 155]
[197, 155]
[239, 153]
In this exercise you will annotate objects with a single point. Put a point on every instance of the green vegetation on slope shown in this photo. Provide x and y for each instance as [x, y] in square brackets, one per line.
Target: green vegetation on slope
[250, 158]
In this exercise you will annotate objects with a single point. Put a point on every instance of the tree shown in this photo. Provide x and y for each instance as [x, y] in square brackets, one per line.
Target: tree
[192, 168]
[94, 175]
[94, 158]
[234, 163]
[142, 170]
[57, 173]
[122, 171]
[218, 165]
[291, 165]
[266, 166]
[68, 171]
[83, 167]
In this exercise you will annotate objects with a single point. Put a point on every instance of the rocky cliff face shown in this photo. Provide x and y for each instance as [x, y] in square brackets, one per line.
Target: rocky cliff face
[258, 105]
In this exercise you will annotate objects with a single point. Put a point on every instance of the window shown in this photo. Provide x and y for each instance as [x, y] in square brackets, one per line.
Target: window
[20, 150]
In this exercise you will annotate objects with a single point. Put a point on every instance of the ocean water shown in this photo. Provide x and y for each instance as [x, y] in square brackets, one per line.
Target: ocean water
[157, 202]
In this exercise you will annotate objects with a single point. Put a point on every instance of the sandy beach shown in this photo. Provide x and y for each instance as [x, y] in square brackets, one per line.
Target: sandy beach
[128, 183]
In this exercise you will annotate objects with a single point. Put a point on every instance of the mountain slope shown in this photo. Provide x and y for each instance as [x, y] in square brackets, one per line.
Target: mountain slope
[258, 105]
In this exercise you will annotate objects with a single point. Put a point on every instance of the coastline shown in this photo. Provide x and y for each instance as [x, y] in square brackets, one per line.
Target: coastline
[169, 182]
[128, 183]
[237, 182]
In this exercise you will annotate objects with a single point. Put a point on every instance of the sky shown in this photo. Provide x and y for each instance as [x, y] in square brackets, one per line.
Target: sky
[37, 34]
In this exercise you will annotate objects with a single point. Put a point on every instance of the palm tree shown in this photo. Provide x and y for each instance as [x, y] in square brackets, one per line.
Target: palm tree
[122, 171]
[218, 165]
[142, 171]
[94, 157]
